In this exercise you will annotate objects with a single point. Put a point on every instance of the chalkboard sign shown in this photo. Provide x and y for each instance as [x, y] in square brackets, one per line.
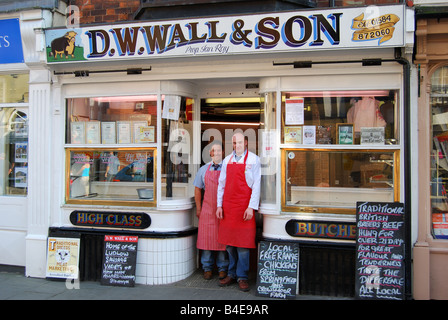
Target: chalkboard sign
[120, 256]
[277, 269]
[380, 250]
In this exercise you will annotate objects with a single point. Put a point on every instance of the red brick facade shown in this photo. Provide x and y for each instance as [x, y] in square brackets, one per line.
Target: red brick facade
[107, 11]
[100, 11]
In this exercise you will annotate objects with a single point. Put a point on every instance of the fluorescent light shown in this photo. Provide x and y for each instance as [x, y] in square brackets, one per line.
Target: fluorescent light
[349, 93]
[126, 98]
[232, 123]
[233, 100]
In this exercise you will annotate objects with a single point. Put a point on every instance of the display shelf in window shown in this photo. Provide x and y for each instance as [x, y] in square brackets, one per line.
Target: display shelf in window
[113, 176]
[333, 180]
[112, 120]
[367, 111]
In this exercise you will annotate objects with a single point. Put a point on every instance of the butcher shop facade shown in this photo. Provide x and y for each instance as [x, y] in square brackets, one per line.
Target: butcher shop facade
[322, 97]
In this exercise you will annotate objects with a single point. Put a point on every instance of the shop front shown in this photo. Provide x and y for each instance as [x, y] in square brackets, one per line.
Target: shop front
[14, 124]
[321, 95]
[431, 248]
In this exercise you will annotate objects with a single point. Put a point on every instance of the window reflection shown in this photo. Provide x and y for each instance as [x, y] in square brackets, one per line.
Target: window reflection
[120, 175]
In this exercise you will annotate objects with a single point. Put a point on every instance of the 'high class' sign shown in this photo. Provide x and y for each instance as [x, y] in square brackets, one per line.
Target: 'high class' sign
[335, 28]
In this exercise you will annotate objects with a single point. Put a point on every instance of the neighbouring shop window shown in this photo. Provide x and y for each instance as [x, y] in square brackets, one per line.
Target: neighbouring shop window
[340, 117]
[122, 120]
[439, 154]
[14, 151]
[177, 135]
[105, 175]
[14, 88]
[14, 134]
[334, 180]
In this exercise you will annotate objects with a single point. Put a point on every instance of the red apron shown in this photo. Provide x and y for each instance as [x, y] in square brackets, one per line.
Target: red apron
[233, 230]
[208, 222]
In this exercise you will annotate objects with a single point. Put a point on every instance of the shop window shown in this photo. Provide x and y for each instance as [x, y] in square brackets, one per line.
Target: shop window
[111, 150]
[334, 180]
[177, 135]
[439, 154]
[14, 134]
[14, 88]
[14, 151]
[99, 176]
[339, 147]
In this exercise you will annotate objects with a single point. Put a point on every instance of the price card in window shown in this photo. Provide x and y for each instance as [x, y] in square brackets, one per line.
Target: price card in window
[294, 113]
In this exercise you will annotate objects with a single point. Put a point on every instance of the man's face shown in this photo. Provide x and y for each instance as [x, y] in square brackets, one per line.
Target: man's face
[216, 153]
[238, 144]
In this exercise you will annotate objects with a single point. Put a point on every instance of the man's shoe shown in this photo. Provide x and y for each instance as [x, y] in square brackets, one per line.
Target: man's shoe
[222, 274]
[243, 285]
[226, 281]
[207, 275]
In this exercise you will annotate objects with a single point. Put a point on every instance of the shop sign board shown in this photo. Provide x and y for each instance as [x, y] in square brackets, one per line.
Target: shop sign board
[62, 258]
[10, 42]
[277, 269]
[119, 260]
[321, 229]
[102, 219]
[380, 251]
[305, 30]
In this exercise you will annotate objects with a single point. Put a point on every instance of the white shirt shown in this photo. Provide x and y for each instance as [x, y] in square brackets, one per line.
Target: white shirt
[253, 177]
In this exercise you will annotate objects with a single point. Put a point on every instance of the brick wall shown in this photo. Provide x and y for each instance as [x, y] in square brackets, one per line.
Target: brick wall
[101, 11]
[109, 11]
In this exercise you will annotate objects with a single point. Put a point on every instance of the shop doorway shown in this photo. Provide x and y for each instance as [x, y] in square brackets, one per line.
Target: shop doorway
[220, 119]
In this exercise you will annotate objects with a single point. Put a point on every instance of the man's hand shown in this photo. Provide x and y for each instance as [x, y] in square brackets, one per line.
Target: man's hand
[248, 214]
[198, 211]
[219, 214]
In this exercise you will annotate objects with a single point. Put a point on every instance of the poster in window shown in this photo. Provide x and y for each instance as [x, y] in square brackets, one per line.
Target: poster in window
[108, 133]
[372, 135]
[21, 152]
[345, 133]
[269, 138]
[124, 132]
[20, 177]
[309, 134]
[147, 134]
[171, 107]
[138, 132]
[78, 134]
[294, 112]
[93, 132]
[293, 134]
[323, 134]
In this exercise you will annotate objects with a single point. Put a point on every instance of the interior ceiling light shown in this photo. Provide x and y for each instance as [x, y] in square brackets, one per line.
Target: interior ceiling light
[233, 100]
[349, 93]
[232, 123]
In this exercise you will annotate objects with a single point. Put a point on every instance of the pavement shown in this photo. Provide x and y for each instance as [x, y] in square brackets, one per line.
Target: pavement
[193, 296]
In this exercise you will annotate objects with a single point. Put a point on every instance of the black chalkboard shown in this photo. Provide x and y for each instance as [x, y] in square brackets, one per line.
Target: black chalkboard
[277, 269]
[380, 250]
[119, 260]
